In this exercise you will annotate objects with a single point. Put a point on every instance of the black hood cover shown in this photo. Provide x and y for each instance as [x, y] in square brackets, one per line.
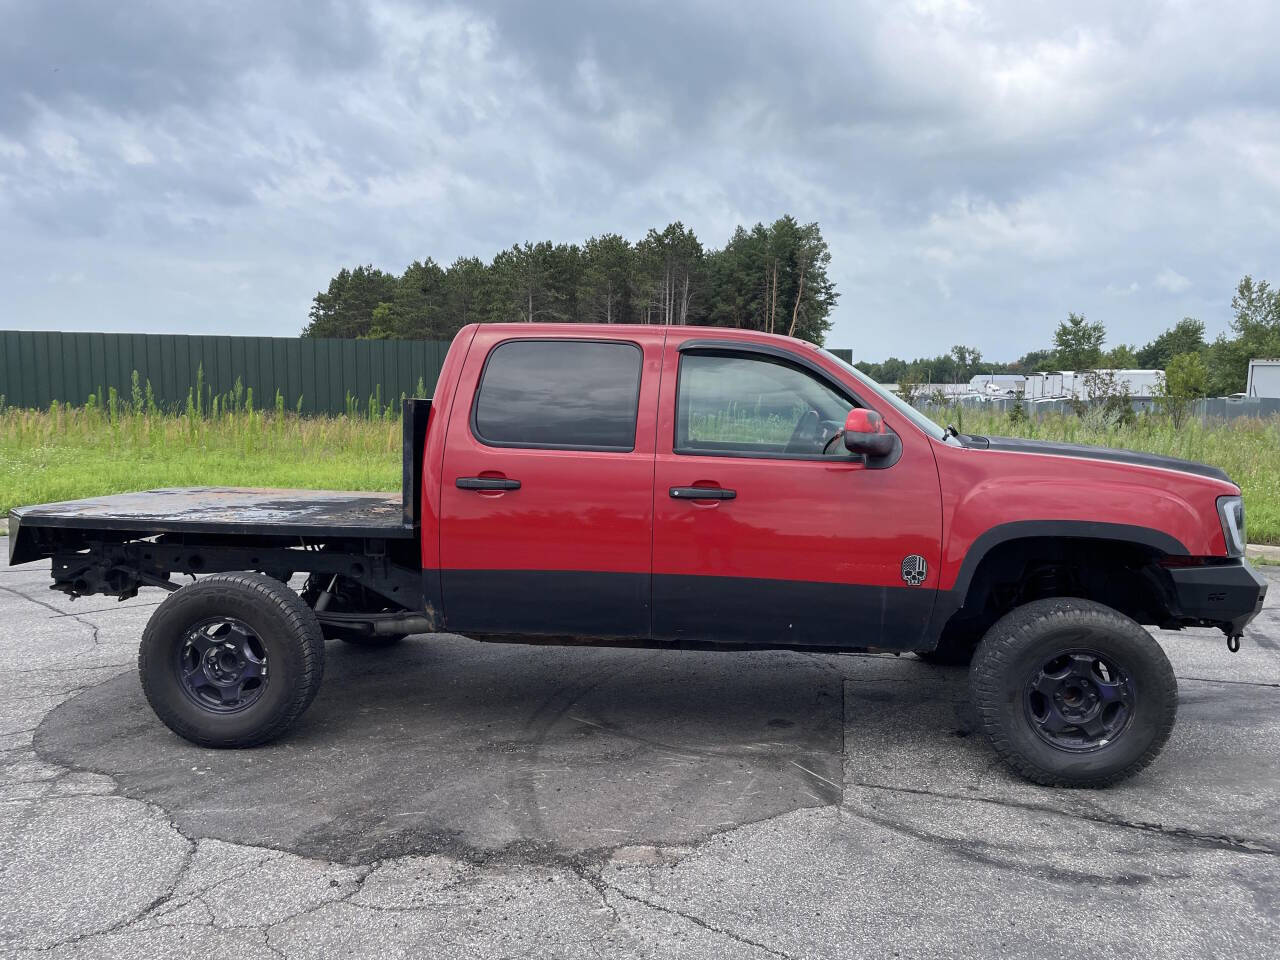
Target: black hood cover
[1017, 445]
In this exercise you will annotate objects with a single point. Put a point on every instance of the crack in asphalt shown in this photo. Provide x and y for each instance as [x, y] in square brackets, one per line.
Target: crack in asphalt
[1244, 845]
[140, 921]
[128, 921]
[115, 609]
[62, 613]
[699, 922]
[57, 670]
[155, 908]
[174, 903]
[1243, 683]
[45, 696]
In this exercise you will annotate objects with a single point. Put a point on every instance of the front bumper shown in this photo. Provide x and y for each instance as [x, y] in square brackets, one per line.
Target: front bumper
[1225, 595]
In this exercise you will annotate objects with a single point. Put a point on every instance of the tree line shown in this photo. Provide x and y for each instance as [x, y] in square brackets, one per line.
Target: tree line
[771, 278]
[1215, 368]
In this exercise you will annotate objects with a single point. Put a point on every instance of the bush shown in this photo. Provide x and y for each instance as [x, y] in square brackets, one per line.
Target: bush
[1183, 383]
[1108, 403]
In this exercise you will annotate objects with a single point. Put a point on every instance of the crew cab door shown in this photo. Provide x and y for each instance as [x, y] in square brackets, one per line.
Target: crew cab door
[547, 485]
[758, 536]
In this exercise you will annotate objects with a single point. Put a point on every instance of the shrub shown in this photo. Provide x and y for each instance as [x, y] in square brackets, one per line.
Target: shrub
[1183, 383]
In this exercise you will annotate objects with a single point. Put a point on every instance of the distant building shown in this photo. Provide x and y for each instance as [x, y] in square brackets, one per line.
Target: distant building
[1264, 379]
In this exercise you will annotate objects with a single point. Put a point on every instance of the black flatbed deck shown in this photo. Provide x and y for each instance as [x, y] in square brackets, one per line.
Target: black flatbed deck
[227, 510]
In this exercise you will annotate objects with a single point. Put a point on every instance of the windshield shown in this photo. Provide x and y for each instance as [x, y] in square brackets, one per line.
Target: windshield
[904, 408]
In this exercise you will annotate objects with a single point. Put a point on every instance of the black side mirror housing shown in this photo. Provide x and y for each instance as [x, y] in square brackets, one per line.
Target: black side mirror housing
[865, 433]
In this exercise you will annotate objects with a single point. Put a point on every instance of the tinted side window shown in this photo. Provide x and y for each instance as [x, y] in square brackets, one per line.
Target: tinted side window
[559, 393]
[753, 406]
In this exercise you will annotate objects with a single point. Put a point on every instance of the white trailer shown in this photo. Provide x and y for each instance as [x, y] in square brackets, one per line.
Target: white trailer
[1042, 386]
[1139, 383]
[1264, 379]
[1133, 383]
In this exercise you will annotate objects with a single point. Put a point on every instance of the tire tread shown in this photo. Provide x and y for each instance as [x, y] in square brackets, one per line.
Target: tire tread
[299, 620]
[991, 664]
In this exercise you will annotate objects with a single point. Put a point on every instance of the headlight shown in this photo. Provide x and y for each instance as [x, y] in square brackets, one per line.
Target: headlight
[1231, 513]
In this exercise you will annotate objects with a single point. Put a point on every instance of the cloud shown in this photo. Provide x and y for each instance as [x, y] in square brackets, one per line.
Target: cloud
[210, 166]
[1171, 280]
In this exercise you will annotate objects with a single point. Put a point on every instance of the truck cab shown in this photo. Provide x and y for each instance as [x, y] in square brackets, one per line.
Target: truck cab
[691, 487]
[675, 484]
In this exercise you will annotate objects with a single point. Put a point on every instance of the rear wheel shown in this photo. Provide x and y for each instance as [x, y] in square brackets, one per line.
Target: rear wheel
[1072, 693]
[231, 660]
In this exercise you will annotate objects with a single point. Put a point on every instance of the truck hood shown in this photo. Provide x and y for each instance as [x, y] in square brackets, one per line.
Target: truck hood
[1051, 448]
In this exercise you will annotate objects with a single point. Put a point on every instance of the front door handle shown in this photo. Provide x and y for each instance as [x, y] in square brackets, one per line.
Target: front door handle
[702, 493]
[487, 483]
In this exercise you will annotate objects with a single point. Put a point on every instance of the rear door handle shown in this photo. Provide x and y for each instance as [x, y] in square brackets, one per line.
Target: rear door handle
[702, 493]
[487, 483]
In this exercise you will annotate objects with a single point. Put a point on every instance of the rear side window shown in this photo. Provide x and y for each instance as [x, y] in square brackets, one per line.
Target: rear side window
[566, 394]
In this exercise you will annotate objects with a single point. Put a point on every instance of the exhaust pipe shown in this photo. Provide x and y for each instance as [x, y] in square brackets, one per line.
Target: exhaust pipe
[380, 624]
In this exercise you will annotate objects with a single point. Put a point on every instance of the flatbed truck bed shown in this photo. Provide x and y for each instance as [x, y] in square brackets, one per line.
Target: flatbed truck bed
[223, 510]
[116, 543]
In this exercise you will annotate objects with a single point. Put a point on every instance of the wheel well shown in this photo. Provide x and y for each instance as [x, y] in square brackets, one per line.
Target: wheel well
[1122, 575]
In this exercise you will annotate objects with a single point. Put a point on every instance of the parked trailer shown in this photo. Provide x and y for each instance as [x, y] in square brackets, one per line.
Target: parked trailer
[1075, 384]
[1264, 379]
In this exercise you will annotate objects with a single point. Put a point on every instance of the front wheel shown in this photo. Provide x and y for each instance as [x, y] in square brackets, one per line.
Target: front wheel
[1072, 693]
[231, 660]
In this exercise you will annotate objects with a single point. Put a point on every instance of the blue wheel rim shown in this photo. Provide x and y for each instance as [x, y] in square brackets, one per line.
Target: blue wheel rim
[222, 665]
[1079, 701]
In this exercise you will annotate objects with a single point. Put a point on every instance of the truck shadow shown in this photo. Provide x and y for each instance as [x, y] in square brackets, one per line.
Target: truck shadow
[447, 745]
[492, 752]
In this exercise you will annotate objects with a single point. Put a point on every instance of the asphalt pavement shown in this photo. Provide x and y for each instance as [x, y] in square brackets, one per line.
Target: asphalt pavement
[447, 798]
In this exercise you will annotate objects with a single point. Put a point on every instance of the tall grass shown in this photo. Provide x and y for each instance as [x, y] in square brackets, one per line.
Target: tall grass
[65, 453]
[743, 423]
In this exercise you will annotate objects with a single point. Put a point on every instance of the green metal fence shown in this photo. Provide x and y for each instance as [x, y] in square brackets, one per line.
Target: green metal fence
[327, 376]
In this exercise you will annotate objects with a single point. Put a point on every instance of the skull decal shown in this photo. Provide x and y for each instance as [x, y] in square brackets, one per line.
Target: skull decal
[914, 570]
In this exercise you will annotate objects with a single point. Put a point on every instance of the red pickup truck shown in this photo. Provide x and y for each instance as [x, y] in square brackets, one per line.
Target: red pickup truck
[689, 488]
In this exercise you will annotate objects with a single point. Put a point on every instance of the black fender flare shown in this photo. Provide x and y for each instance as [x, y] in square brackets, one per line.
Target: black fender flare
[949, 602]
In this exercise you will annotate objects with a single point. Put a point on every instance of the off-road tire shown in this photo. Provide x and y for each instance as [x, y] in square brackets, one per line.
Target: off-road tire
[287, 629]
[1033, 634]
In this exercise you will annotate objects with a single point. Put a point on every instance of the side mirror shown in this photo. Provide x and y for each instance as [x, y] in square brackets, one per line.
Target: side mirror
[865, 433]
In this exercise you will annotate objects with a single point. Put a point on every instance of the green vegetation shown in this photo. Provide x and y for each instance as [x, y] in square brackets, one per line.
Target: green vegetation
[67, 453]
[1078, 345]
[742, 424]
[771, 278]
[1183, 384]
[1247, 448]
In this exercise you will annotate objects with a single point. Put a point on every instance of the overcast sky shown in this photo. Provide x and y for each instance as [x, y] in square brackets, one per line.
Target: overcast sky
[978, 169]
